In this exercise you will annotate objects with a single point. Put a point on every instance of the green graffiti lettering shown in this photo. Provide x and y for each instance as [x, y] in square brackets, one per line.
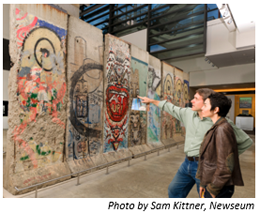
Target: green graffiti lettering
[59, 106]
[40, 152]
[34, 95]
[24, 158]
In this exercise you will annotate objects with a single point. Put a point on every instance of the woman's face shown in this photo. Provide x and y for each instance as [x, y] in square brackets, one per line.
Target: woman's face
[206, 112]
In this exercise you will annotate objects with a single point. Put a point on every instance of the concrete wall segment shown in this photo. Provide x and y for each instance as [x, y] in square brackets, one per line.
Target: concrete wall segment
[137, 142]
[167, 121]
[117, 69]
[46, 12]
[139, 53]
[37, 114]
[89, 75]
[85, 87]
[154, 85]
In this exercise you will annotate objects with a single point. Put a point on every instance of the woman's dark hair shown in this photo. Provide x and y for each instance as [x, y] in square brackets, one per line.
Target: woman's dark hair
[221, 101]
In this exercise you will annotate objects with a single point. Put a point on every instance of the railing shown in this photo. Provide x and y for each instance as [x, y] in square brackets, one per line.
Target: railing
[103, 165]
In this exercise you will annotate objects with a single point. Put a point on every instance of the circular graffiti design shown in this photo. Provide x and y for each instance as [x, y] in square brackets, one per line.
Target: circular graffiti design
[84, 82]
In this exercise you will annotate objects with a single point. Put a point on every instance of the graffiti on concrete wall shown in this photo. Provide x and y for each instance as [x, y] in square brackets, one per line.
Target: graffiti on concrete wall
[86, 97]
[137, 119]
[41, 85]
[178, 98]
[186, 91]
[117, 95]
[154, 113]
[168, 93]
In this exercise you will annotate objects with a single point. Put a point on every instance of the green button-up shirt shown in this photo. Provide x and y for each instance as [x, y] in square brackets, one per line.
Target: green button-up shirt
[196, 128]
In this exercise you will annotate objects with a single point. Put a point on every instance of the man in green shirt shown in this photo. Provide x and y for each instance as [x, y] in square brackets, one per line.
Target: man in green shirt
[196, 127]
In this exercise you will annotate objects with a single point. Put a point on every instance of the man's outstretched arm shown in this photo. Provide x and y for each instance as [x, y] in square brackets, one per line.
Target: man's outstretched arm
[177, 112]
[149, 100]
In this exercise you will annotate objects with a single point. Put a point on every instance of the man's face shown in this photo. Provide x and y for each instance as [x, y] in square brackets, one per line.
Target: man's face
[197, 102]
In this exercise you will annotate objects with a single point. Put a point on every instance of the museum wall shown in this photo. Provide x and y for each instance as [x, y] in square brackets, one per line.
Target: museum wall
[71, 94]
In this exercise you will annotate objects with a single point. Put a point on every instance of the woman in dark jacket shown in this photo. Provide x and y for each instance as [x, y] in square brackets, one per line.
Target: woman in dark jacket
[218, 169]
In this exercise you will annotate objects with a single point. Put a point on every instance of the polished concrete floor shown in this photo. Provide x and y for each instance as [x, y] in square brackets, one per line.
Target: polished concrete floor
[142, 179]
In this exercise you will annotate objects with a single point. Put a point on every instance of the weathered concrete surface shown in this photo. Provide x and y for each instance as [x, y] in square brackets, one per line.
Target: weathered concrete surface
[154, 84]
[117, 69]
[186, 95]
[137, 141]
[94, 135]
[178, 101]
[186, 87]
[37, 96]
[85, 89]
[167, 120]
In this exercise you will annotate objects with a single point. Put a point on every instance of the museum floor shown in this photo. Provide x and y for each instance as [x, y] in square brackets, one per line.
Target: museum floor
[143, 179]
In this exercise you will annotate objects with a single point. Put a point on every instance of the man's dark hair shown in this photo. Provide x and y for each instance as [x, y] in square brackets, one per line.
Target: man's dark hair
[221, 101]
[205, 92]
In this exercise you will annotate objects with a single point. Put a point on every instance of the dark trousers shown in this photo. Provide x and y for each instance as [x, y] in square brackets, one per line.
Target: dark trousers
[225, 192]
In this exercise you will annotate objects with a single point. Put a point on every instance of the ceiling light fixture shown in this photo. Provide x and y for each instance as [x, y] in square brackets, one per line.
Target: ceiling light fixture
[225, 13]
[227, 16]
[230, 21]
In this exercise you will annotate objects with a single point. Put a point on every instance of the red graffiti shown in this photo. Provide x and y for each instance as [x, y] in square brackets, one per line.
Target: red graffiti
[17, 131]
[115, 132]
[117, 102]
[17, 11]
[23, 31]
[43, 177]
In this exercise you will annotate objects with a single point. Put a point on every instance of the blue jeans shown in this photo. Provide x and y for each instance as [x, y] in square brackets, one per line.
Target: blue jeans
[184, 180]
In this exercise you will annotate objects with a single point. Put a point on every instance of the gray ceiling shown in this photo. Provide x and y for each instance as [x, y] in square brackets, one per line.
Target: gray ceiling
[233, 58]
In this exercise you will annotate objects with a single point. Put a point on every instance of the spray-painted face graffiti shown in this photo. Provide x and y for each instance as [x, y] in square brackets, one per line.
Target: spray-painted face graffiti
[135, 128]
[117, 102]
[115, 132]
[117, 98]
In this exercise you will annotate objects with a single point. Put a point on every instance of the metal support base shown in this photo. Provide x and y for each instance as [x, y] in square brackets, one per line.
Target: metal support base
[36, 191]
[78, 180]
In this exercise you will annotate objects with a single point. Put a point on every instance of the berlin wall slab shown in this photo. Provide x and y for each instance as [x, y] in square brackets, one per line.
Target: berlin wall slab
[137, 141]
[85, 90]
[178, 101]
[186, 89]
[154, 113]
[117, 60]
[37, 94]
[167, 127]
